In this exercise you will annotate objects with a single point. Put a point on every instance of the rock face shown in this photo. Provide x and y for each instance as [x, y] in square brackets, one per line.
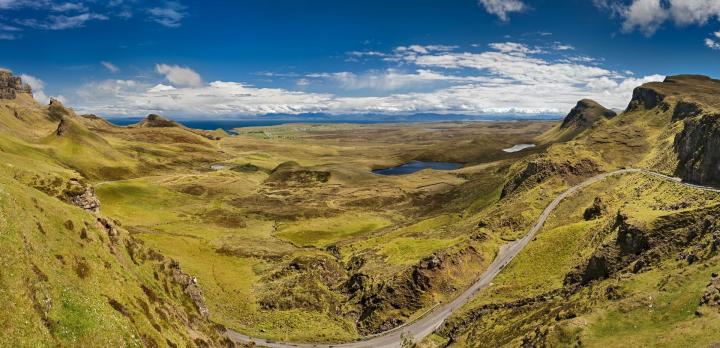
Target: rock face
[692, 100]
[645, 97]
[698, 150]
[11, 85]
[585, 114]
[538, 170]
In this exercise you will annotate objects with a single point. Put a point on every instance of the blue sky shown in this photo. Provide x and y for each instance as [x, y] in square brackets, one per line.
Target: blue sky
[225, 58]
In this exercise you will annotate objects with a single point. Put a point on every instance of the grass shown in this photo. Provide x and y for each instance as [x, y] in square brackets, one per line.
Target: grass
[407, 251]
[229, 228]
[659, 318]
[322, 232]
[544, 262]
[141, 202]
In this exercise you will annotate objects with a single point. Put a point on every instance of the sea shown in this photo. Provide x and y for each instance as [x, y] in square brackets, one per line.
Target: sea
[229, 124]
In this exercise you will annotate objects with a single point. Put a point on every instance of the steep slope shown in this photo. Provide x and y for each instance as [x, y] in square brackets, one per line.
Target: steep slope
[626, 262]
[70, 276]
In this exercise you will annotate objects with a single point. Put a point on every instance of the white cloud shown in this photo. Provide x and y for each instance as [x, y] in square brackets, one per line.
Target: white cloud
[67, 7]
[694, 11]
[181, 76]
[563, 47]
[646, 15]
[514, 48]
[649, 15]
[508, 78]
[501, 8]
[61, 15]
[712, 44]
[169, 15]
[393, 79]
[62, 22]
[110, 66]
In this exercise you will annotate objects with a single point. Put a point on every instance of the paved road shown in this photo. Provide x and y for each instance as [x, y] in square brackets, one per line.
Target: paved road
[424, 326]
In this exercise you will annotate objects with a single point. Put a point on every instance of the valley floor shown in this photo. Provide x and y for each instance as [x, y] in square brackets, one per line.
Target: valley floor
[274, 248]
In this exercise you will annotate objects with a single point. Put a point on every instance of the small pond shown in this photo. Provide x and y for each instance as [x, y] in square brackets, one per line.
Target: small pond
[416, 166]
[518, 147]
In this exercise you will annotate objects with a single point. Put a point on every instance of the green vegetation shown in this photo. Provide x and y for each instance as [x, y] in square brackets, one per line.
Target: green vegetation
[284, 232]
[321, 232]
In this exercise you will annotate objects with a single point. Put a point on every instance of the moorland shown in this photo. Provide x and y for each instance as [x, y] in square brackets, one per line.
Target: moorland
[155, 234]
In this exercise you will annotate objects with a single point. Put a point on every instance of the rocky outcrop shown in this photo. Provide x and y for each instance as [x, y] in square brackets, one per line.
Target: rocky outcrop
[689, 89]
[292, 174]
[698, 150]
[386, 306]
[190, 287]
[636, 247]
[156, 121]
[87, 200]
[712, 292]
[307, 283]
[537, 171]
[586, 113]
[596, 210]
[684, 109]
[63, 127]
[11, 85]
[57, 111]
[645, 97]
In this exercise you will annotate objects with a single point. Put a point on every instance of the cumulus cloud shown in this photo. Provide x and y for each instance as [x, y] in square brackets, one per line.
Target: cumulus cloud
[181, 76]
[501, 8]
[170, 14]
[110, 66]
[648, 16]
[506, 78]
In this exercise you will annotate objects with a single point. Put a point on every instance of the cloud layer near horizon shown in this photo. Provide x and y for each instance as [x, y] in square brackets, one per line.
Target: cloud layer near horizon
[507, 77]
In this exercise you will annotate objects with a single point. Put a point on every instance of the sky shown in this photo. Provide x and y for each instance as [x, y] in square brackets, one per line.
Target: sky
[224, 59]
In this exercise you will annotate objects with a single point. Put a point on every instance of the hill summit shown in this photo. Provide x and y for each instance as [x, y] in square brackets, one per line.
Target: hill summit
[156, 121]
[585, 114]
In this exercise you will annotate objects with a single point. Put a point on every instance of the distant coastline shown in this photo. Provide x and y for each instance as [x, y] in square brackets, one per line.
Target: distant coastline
[275, 120]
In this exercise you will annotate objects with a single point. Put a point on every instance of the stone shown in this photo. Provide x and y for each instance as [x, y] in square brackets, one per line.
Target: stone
[11, 85]
[595, 211]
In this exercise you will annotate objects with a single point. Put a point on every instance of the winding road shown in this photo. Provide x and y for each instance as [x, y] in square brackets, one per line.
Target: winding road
[419, 329]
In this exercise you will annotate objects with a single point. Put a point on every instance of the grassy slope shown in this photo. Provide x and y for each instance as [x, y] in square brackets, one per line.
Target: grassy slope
[649, 313]
[65, 280]
[60, 274]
